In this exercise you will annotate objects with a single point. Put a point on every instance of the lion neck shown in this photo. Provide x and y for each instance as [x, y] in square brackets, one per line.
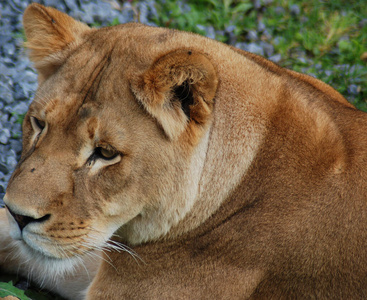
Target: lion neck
[227, 161]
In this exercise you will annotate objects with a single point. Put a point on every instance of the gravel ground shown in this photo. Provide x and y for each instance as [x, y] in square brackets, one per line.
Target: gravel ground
[18, 80]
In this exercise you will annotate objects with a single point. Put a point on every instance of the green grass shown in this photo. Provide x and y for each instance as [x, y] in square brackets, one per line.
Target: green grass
[219, 14]
[8, 287]
[330, 34]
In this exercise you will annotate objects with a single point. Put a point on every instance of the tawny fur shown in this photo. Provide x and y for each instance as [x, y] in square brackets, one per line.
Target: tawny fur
[229, 178]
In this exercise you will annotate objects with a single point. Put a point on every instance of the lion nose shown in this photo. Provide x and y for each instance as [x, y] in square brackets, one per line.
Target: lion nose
[23, 221]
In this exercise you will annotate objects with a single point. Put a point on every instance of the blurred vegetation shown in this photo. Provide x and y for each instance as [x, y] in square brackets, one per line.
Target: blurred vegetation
[11, 285]
[323, 38]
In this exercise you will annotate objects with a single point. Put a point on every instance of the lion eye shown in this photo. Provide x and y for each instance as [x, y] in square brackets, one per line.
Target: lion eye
[37, 124]
[106, 154]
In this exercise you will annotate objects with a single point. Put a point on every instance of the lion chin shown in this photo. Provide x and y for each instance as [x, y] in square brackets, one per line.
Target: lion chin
[160, 164]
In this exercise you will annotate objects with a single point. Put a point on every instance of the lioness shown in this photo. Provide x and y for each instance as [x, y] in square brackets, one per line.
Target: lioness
[160, 164]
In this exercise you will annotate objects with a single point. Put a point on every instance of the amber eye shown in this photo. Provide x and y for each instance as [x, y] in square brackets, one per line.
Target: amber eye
[106, 154]
[37, 124]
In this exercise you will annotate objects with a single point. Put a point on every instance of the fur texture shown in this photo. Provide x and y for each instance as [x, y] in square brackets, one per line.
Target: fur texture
[159, 164]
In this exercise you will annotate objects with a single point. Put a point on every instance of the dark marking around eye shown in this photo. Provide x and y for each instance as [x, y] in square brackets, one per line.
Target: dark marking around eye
[105, 153]
[85, 112]
[91, 129]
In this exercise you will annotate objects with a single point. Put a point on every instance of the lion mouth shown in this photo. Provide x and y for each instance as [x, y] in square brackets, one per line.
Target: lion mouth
[64, 245]
[50, 247]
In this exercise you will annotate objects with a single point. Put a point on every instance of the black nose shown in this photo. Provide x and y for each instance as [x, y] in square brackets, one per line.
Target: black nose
[23, 221]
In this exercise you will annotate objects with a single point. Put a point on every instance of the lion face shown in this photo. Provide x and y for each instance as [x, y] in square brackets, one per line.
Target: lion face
[112, 143]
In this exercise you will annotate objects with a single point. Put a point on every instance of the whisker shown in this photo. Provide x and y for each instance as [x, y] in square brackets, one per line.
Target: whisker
[92, 254]
[111, 245]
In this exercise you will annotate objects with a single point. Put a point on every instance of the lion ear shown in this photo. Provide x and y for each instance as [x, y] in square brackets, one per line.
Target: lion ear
[178, 91]
[48, 32]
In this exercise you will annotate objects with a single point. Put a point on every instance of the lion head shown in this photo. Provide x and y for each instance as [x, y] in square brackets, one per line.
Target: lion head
[115, 139]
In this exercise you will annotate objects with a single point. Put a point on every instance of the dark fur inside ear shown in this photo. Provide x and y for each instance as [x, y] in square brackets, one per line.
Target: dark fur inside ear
[183, 93]
[178, 90]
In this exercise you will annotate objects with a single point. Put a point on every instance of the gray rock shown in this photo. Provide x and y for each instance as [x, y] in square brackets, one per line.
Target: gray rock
[71, 5]
[295, 9]
[328, 72]
[279, 10]
[20, 108]
[19, 92]
[5, 70]
[9, 49]
[230, 28]
[16, 145]
[3, 169]
[275, 58]
[278, 40]
[152, 9]
[251, 47]
[257, 4]
[252, 35]
[241, 45]
[11, 160]
[261, 26]
[56, 4]
[144, 11]
[4, 120]
[255, 48]
[267, 48]
[18, 5]
[302, 59]
[4, 38]
[210, 32]
[353, 89]
[4, 135]
[265, 34]
[6, 94]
